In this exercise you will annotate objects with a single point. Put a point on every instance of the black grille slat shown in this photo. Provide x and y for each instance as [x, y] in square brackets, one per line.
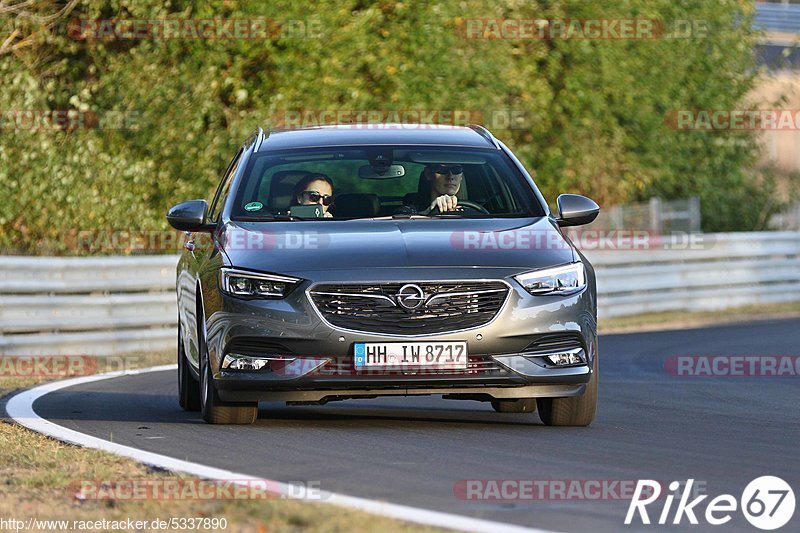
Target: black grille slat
[341, 305]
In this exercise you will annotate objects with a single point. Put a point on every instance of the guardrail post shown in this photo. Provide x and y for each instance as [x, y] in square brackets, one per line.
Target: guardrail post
[694, 214]
[655, 214]
[617, 221]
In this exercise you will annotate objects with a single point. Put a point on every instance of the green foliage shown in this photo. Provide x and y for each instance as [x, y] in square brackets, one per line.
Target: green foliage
[593, 110]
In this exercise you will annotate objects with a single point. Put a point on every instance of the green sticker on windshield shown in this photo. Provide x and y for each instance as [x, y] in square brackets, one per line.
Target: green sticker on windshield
[253, 206]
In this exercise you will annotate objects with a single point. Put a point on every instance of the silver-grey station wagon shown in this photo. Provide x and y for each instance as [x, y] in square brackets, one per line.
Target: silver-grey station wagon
[357, 261]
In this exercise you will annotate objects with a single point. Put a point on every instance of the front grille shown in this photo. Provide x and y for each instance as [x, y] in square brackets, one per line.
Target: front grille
[477, 365]
[374, 308]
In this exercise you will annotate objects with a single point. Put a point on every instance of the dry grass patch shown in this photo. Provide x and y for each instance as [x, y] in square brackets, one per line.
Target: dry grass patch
[685, 320]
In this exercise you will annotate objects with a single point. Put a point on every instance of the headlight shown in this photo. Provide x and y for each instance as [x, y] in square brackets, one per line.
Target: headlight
[562, 280]
[254, 285]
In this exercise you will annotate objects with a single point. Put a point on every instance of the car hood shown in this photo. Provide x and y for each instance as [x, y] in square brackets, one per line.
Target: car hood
[296, 247]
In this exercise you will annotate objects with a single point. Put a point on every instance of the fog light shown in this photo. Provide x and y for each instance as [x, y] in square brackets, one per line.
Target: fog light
[572, 357]
[248, 363]
[235, 361]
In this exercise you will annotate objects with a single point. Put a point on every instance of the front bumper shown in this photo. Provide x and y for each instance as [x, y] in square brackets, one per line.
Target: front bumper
[501, 361]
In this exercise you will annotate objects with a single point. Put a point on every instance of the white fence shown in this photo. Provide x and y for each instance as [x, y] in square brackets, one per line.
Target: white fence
[118, 305]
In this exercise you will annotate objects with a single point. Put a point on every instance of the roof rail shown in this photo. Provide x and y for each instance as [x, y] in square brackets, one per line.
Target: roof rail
[486, 134]
[261, 136]
[257, 137]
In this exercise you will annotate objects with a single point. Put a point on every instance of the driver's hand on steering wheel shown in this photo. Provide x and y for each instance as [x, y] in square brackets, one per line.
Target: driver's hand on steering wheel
[444, 202]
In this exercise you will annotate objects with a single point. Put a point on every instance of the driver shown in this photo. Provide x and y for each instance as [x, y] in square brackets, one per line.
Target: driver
[444, 181]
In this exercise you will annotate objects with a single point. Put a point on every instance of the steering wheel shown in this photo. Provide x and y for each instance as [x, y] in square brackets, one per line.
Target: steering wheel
[462, 203]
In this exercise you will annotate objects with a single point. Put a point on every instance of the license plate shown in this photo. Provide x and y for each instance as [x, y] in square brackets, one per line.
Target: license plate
[438, 355]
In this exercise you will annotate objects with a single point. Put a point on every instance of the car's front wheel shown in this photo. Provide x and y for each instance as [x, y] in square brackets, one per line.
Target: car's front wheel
[573, 411]
[214, 410]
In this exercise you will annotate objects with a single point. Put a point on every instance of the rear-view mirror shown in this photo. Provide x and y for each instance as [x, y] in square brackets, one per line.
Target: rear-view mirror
[368, 172]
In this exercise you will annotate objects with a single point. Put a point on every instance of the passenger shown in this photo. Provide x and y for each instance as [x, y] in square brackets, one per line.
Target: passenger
[315, 188]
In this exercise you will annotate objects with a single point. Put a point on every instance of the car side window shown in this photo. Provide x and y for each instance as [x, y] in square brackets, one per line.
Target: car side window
[224, 187]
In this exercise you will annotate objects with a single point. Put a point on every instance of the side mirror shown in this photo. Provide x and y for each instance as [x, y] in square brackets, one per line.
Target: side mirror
[189, 216]
[576, 210]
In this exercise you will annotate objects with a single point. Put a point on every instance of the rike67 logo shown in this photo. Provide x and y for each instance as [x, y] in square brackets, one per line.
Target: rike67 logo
[767, 503]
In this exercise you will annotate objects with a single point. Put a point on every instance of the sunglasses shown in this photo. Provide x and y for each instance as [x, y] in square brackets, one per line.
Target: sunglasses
[451, 169]
[315, 197]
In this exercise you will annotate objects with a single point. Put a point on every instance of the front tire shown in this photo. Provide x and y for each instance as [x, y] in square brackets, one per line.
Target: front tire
[188, 386]
[573, 411]
[214, 410]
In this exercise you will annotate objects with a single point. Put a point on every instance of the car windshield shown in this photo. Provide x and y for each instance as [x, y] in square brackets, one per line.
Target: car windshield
[377, 181]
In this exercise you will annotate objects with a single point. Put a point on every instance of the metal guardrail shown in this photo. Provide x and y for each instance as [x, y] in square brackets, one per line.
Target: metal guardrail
[784, 18]
[105, 306]
[87, 306]
[727, 270]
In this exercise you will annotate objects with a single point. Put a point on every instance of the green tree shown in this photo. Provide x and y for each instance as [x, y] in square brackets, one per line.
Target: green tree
[593, 111]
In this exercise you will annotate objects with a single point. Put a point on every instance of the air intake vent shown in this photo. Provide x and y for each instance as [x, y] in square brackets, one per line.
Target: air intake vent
[256, 346]
[555, 342]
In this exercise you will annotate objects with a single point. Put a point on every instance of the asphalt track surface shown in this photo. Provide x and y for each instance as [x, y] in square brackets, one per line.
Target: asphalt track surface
[721, 431]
